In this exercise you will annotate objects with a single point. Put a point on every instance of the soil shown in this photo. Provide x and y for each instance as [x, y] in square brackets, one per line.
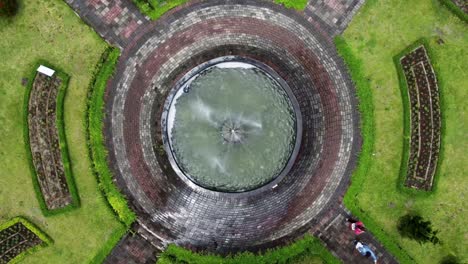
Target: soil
[425, 119]
[44, 141]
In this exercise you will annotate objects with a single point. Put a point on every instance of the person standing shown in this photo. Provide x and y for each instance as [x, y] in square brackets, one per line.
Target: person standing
[365, 250]
[357, 226]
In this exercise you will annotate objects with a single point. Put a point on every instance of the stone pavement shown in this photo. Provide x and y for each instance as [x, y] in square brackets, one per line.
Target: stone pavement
[132, 249]
[333, 15]
[115, 20]
[156, 54]
[334, 231]
[180, 211]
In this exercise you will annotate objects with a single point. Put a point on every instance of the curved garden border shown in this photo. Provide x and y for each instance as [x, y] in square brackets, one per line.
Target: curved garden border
[19, 237]
[95, 137]
[455, 9]
[73, 197]
[413, 129]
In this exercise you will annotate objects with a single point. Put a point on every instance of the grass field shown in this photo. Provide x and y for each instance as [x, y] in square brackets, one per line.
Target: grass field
[395, 25]
[49, 30]
[296, 4]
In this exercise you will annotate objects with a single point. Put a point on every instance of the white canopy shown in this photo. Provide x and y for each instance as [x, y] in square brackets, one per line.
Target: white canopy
[44, 70]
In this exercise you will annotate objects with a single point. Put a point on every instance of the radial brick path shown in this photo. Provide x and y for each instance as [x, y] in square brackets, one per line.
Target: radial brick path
[334, 232]
[115, 20]
[157, 53]
[333, 15]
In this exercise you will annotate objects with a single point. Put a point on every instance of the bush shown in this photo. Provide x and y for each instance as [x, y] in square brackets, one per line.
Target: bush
[156, 8]
[450, 259]
[95, 137]
[414, 227]
[307, 246]
[8, 8]
[456, 10]
[296, 4]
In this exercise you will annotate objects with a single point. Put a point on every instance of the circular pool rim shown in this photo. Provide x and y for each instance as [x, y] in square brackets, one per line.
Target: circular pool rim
[186, 80]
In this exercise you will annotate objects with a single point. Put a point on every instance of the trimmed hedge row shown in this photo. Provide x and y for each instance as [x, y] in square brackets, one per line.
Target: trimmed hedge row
[307, 246]
[156, 8]
[109, 245]
[295, 4]
[407, 123]
[455, 10]
[95, 137]
[366, 109]
[62, 141]
[33, 228]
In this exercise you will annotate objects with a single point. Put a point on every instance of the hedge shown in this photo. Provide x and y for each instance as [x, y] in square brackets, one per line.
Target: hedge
[109, 245]
[95, 137]
[62, 140]
[33, 228]
[156, 8]
[407, 123]
[307, 246]
[366, 109]
[455, 10]
[295, 4]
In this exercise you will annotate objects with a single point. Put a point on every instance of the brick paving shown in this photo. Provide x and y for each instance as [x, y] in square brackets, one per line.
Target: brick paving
[156, 54]
[334, 232]
[333, 15]
[132, 249]
[115, 20]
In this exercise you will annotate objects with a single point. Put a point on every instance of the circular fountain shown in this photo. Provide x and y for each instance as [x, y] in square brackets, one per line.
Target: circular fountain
[165, 133]
[231, 125]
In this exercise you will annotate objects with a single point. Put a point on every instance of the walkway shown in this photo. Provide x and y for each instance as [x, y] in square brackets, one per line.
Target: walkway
[116, 21]
[121, 24]
[333, 15]
[334, 231]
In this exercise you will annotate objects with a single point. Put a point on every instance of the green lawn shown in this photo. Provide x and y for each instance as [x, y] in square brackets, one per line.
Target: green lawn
[49, 30]
[296, 4]
[395, 24]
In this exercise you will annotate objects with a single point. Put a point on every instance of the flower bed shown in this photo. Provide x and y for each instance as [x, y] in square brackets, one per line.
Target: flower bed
[17, 237]
[46, 142]
[425, 119]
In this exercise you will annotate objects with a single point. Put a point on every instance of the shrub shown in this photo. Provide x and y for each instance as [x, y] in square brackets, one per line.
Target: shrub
[8, 7]
[296, 4]
[450, 259]
[95, 137]
[307, 246]
[414, 227]
[456, 10]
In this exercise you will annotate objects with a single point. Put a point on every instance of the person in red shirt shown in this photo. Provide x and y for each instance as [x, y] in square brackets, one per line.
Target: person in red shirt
[357, 226]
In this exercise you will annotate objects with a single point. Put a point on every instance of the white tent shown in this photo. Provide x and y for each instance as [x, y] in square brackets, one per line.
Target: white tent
[44, 70]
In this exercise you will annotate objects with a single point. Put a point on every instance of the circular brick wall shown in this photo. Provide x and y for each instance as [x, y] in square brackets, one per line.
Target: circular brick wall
[181, 212]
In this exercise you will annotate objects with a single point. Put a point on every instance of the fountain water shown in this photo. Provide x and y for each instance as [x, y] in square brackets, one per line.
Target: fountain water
[231, 127]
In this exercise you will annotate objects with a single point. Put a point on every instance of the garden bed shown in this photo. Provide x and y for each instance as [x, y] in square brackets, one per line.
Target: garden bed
[44, 111]
[17, 237]
[425, 119]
